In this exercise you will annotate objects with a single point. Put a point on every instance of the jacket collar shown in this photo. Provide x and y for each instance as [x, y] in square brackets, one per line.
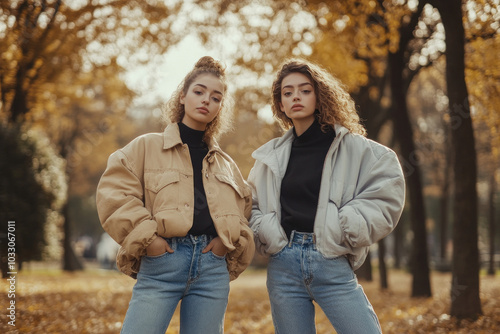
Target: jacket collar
[172, 138]
[340, 130]
[276, 152]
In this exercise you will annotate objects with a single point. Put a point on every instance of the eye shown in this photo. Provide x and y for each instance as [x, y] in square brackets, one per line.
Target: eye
[216, 99]
[306, 91]
[287, 93]
[198, 92]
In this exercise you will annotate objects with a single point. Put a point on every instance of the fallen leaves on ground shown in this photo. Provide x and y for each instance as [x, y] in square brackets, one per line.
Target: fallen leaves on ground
[95, 301]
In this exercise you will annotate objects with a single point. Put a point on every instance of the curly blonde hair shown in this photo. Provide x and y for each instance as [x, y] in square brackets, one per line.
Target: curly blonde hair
[333, 103]
[173, 110]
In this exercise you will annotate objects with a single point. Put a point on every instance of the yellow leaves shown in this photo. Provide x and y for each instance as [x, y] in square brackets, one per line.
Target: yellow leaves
[482, 76]
[52, 46]
[334, 52]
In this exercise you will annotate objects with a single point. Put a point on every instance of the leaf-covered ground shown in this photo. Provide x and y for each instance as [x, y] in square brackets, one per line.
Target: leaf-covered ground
[96, 301]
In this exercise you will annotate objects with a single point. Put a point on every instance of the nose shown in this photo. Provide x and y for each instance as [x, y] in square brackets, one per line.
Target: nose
[296, 97]
[206, 99]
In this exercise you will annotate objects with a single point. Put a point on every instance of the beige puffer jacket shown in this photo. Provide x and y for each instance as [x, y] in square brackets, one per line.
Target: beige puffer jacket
[147, 191]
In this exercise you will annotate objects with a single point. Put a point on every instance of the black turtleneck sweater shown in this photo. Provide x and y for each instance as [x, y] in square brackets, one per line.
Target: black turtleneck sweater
[302, 180]
[198, 149]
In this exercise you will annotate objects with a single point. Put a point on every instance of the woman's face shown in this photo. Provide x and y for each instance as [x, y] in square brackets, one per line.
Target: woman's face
[298, 99]
[202, 101]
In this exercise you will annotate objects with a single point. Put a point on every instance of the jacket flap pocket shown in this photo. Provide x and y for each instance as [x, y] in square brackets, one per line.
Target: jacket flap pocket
[228, 180]
[157, 181]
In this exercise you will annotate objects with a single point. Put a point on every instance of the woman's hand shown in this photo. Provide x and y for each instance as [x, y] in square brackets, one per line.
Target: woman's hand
[216, 246]
[159, 246]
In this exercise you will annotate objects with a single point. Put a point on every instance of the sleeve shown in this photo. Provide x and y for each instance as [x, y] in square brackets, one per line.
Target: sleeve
[255, 213]
[241, 257]
[120, 205]
[248, 201]
[377, 205]
[244, 249]
[257, 216]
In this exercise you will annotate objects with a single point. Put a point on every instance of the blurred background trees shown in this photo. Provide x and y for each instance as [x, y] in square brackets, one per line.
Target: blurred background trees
[33, 192]
[60, 69]
[421, 87]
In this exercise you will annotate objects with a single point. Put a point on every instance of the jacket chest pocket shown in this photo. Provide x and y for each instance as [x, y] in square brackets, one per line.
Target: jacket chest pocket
[162, 190]
[230, 195]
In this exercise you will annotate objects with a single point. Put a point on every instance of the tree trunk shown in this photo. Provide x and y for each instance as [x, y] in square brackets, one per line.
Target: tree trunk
[491, 204]
[382, 267]
[419, 263]
[365, 271]
[443, 221]
[19, 106]
[443, 203]
[398, 245]
[70, 261]
[370, 108]
[465, 301]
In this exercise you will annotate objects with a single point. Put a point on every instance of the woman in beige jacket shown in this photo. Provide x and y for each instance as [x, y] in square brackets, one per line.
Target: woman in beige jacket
[178, 206]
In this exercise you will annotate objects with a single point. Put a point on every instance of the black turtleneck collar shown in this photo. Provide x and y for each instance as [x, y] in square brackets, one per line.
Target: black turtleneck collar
[193, 138]
[313, 135]
[302, 181]
[202, 221]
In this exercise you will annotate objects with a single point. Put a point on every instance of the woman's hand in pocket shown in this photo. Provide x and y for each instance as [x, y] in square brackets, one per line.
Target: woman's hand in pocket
[216, 246]
[159, 246]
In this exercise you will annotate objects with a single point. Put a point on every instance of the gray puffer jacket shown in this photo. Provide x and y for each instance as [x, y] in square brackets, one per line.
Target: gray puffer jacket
[361, 197]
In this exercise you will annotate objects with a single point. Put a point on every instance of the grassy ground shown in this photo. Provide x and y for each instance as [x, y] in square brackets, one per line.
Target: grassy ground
[95, 301]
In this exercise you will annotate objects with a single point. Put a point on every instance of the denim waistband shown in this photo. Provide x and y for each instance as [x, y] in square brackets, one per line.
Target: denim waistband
[191, 239]
[302, 238]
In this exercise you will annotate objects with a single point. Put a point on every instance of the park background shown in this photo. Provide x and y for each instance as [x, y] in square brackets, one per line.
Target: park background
[80, 79]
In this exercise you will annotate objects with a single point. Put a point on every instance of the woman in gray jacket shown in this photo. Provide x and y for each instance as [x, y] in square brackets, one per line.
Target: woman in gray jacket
[322, 194]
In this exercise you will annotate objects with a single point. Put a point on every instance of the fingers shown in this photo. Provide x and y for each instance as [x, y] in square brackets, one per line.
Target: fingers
[158, 246]
[216, 246]
[209, 247]
[168, 249]
[166, 246]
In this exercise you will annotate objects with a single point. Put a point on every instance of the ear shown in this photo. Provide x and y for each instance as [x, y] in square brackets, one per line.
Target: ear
[181, 100]
[281, 107]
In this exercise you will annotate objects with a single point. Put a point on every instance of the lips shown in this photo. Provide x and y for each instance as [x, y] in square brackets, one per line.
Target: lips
[297, 106]
[203, 110]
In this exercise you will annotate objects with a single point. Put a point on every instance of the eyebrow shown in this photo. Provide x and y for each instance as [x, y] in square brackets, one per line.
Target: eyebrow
[300, 85]
[215, 91]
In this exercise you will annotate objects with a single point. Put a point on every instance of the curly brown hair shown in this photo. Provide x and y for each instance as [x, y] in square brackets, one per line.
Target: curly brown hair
[333, 103]
[173, 110]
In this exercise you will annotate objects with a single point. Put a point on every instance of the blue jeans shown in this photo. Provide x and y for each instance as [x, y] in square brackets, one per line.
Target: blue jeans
[201, 281]
[299, 275]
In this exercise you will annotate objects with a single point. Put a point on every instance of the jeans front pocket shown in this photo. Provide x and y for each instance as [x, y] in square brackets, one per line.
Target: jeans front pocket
[152, 257]
[217, 257]
[156, 264]
[278, 253]
[336, 269]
